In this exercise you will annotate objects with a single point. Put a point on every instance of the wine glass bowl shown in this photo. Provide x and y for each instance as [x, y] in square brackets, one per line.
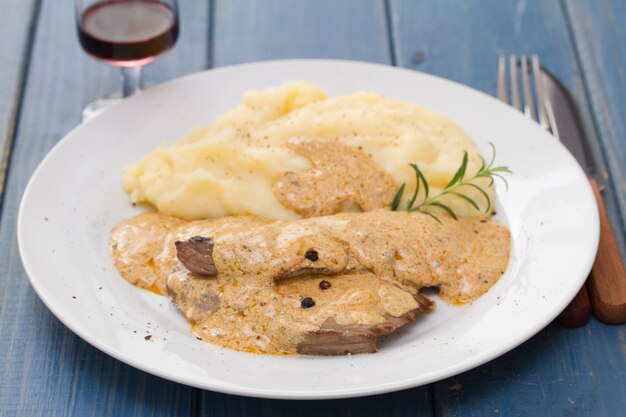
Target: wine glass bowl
[128, 34]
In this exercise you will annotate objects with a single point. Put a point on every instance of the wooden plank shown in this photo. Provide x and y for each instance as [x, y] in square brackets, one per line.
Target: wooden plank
[279, 29]
[599, 33]
[559, 372]
[408, 403]
[45, 369]
[15, 38]
[255, 30]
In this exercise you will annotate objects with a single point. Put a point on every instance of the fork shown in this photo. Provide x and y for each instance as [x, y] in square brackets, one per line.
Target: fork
[544, 116]
[578, 312]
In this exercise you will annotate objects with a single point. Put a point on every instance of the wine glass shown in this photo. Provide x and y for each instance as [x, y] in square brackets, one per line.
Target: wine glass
[127, 34]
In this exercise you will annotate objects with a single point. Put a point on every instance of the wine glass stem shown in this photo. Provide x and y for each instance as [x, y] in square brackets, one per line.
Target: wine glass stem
[132, 81]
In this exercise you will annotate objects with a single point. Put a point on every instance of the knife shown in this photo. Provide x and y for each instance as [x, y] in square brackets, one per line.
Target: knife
[607, 282]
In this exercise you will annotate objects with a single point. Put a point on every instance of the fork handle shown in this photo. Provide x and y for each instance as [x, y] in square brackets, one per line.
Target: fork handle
[577, 312]
[607, 282]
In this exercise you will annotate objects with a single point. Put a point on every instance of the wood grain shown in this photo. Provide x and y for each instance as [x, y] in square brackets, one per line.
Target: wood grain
[599, 32]
[45, 370]
[256, 30]
[408, 403]
[607, 283]
[16, 33]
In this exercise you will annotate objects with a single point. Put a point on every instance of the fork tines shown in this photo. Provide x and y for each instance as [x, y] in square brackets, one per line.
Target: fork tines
[529, 69]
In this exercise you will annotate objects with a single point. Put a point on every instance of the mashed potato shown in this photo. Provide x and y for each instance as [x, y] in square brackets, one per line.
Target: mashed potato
[229, 168]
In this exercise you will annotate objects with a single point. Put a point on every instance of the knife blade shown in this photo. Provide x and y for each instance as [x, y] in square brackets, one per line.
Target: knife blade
[607, 282]
[566, 124]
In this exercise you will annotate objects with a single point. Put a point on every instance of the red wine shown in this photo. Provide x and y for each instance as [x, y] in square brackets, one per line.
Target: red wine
[127, 33]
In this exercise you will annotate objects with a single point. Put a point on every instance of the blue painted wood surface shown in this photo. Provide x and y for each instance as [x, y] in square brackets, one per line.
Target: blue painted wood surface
[46, 370]
[254, 30]
[14, 56]
[409, 403]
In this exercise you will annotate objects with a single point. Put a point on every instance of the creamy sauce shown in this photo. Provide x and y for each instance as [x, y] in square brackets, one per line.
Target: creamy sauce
[135, 244]
[374, 261]
[143, 248]
[341, 176]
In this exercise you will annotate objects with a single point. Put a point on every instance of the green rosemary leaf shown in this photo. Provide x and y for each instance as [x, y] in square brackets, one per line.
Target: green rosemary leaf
[398, 197]
[506, 183]
[460, 173]
[431, 215]
[482, 164]
[466, 198]
[454, 187]
[444, 207]
[483, 192]
[464, 165]
[417, 186]
[493, 155]
[423, 179]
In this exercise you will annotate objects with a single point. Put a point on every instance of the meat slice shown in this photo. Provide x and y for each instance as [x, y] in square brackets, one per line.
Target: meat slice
[195, 297]
[347, 317]
[197, 255]
[343, 339]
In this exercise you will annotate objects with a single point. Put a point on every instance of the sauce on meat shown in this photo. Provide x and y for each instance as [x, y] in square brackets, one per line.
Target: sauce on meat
[267, 295]
[375, 262]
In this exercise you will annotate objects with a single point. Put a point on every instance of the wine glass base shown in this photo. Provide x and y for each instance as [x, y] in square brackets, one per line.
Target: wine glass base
[96, 107]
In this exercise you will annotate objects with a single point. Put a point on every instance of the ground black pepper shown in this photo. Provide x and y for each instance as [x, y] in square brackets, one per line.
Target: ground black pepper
[307, 302]
[311, 255]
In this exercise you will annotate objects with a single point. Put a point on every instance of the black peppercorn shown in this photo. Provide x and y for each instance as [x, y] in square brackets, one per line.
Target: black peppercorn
[307, 302]
[311, 255]
[324, 285]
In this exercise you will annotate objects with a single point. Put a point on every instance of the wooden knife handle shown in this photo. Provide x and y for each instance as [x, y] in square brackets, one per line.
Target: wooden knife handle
[577, 312]
[607, 283]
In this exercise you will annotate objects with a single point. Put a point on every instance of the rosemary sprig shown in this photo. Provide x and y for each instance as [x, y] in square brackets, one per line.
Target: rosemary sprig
[453, 187]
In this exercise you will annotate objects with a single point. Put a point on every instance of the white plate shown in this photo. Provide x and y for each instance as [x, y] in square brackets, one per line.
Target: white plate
[75, 198]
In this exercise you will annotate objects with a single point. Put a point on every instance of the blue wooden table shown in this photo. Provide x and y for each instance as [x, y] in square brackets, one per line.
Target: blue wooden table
[46, 80]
